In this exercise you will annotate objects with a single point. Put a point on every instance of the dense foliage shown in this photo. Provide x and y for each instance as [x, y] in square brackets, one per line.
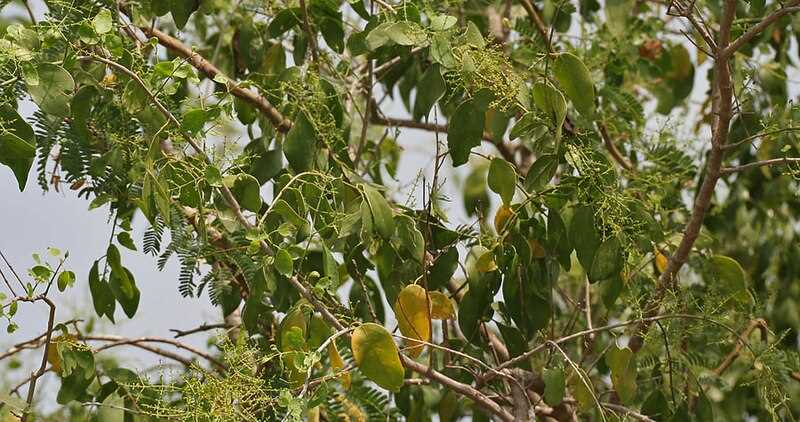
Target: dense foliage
[624, 244]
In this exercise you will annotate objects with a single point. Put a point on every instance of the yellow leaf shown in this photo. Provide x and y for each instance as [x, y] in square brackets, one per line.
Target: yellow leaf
[486, 263]
[537, 250]
[376, 356]
[502, 217]
[661, 261]
[441, 306]
[413, 316]
[337, 364]
[52, 350]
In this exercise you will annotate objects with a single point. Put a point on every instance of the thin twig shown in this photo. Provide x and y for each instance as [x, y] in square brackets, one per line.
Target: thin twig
[135, 341]
[201, 328]
[771, 162]
[43, 366]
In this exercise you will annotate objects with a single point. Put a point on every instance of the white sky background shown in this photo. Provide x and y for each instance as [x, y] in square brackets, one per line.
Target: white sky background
[32, 221]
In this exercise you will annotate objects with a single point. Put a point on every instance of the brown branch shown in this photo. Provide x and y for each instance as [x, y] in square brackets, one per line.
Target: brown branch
[152, 349]
[612, 148]
[502, 148]
[118, 340]
[43, 366]
[465, 390]
[722, 109]
[731, 357]
[281, 123]
[538, 22]
[771, 162]
[201, 328]
[751, 33]
[627, 412]
[647, 320]
[312, 38]
[761, 135]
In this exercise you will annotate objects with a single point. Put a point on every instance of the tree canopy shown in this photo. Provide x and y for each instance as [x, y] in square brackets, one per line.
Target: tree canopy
[603, 224]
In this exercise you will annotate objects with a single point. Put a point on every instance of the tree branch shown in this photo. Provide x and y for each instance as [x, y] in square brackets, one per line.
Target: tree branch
[502, 148]
[281, 123]
[731, 357]
[118, 340]
[43, 366]
[201, 328]
[751, 33]
[771, 162]
[722, 110]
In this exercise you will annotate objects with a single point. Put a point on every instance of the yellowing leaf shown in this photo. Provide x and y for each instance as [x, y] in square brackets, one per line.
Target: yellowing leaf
[502, 217]
[537, 250]
[413, 316]
[441, 306]
[486, 262]
[376, 356]
[337, 364]
[661, 261]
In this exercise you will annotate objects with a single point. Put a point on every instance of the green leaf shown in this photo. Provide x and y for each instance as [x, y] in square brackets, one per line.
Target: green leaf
[430, 89]
[442, 22]
[404, 33]
[283, 263]
[617, 13]
[53, 89]
[409, 237]
[285, 20]
[65, 279]
[123, 286]
[554, 386]
[576, 81]
[329, 265]
[464, 131]
[541, 172]
[502, 179]
[381, 212]
[552, 103]
[377, 357]
[379, 36]
[584, 236]
[300, 145]
[124, 239]
[267, 165]
[17, 144]
[623, 372]
[181, 10]
[247, 191]
[103, 22]
[442, 51]
[474, 37]
[194, 120]
[730, 277]
[558, 239]
[607, 260]
[443, 269]
[102, 297]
